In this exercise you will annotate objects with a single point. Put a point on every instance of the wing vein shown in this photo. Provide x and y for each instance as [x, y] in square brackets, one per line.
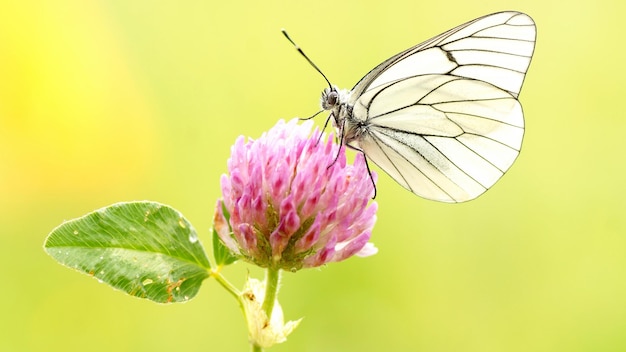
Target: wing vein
[378, 141]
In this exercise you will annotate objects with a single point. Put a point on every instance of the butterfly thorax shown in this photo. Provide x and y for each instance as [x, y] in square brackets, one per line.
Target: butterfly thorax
[338, 103]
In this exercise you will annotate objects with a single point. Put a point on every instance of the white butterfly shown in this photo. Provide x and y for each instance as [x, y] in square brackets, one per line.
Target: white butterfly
[442, 118]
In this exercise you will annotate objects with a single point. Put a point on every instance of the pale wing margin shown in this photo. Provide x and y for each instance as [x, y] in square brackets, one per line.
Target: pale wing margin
[450, 141]
[496, 48]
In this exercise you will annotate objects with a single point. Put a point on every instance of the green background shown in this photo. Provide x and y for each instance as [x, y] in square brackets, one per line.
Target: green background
[107, 101]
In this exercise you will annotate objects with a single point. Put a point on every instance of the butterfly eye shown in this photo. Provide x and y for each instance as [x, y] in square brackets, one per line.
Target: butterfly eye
[330, 98]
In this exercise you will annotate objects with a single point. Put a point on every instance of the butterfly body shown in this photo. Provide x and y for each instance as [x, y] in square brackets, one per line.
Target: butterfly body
[442, 118]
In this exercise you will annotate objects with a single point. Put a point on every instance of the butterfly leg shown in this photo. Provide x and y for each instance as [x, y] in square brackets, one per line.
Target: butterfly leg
[310, 117]
[340, 139]
[323, 129]
[369, 172]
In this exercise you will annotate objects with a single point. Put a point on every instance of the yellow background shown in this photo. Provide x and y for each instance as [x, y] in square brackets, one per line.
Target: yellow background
[106, 101]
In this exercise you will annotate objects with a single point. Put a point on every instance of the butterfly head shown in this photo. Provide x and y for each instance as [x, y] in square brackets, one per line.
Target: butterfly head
[332, 98]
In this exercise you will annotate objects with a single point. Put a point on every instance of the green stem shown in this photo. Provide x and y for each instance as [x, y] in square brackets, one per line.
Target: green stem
[237, 294]
[227, 285]
[271, 290]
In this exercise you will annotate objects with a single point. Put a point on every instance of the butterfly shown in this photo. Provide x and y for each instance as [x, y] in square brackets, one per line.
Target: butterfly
[442, 118]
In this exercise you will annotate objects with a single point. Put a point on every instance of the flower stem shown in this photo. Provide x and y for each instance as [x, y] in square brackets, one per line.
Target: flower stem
[227, 285]
[271, 290]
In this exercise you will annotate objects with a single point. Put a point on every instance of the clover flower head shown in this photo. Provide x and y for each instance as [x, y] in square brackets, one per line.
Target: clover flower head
[294, 201]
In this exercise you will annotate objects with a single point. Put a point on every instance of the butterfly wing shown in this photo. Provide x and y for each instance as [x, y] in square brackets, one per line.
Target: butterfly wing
[442, 118]
[496, 48]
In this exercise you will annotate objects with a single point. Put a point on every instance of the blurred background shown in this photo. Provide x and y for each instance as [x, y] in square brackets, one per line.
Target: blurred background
[108, 101]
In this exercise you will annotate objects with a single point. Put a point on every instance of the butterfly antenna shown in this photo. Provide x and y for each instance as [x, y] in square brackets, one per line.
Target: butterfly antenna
[306, 57]
[310, 117]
